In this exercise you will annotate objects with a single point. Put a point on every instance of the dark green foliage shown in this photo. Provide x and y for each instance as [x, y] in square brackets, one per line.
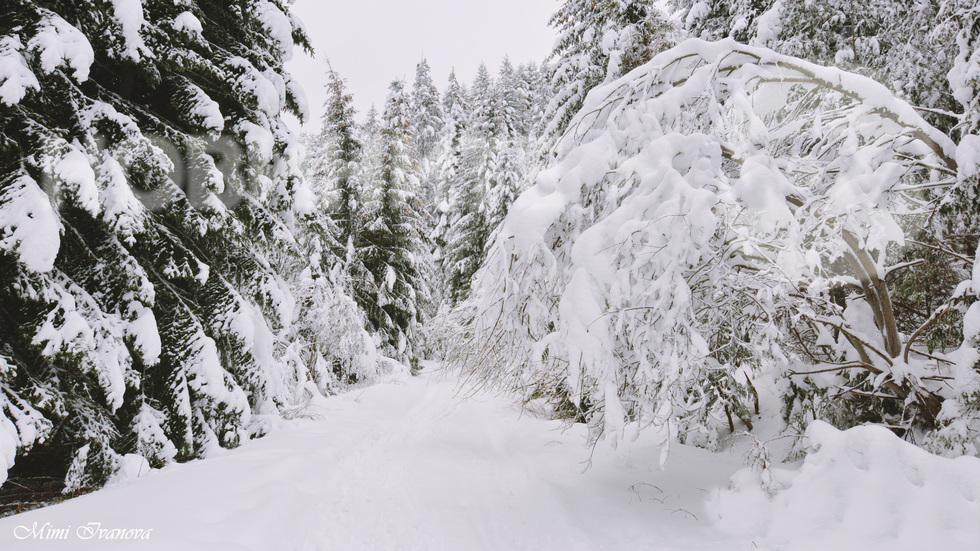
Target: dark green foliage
[395, 249]
[159, 153]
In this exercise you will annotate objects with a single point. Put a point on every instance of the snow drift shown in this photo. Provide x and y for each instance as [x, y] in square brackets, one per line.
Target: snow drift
[863, 488]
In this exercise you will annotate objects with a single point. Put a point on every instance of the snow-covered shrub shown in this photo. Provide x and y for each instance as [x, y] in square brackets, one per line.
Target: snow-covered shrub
[337, 349]
[959, 419]
[719, 214]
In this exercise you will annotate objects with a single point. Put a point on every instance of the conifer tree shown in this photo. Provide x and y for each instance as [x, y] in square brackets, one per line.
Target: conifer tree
[467, 232]
[468, 229]
[341, 155]
[598, 41]
[456, 109]
[395, 251]
[426, 117]
[152, 219]
[425, 112]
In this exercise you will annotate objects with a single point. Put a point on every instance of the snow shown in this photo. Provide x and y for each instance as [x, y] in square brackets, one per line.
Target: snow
[29, 226]
[74, 170]
[299, 96]
[769, 25]
[209, 378]
[968, 156]
[278, 26]
[129, 15]
[424, 463]
[542, 204]
[252, 84]
[408, 465]
[120, 208]
[971, 322]
[189, 23]
[863, 488]
[205, 109]
[259, 141]
[131, 466]
[57, 42]
[76, 325]
[304, 199]
[144, 333]
[21, 426]
[698, 11]
[16, 77]
[976, 271]
[152, 441]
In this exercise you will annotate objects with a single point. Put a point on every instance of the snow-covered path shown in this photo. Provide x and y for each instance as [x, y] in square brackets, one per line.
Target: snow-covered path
[405, 466]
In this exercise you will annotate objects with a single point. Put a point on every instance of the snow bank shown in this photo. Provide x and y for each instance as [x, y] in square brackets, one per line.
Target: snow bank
[863, 488]
[57, 42]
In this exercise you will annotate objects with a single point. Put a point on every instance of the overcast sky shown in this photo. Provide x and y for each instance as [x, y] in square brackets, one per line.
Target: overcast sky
[374, 41]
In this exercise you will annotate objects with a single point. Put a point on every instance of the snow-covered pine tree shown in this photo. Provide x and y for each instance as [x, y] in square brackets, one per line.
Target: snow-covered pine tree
[147, 207]
[522, 101]
[425, 112]
[369, 135]
[489, 118]
[339, 176]
[426, 117]
[505, 182]
[598, 41]
[543, 94]
[468, 228]
[455, 107]
[489, 172]
[512, 99]
[330, 323]
[396, 252]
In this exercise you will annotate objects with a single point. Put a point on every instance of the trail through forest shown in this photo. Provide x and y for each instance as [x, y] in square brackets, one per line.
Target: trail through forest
[412, 464]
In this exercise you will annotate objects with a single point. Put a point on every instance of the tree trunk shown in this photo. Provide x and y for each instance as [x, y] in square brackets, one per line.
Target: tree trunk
[876, 294]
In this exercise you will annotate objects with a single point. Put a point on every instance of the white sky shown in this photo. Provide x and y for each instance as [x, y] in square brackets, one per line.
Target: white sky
[372, 42]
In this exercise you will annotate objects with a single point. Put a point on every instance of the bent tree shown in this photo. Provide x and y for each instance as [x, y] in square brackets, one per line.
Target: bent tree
[720, 215]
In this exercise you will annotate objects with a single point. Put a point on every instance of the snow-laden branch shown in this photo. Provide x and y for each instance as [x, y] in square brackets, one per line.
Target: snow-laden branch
[707, 221]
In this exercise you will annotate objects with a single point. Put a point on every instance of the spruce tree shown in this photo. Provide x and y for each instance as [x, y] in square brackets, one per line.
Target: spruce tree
[341, 157]
[336, 282]
[468, 224]
[425, 112]
[467, 231]
[456, 109]
[149, 208]
[396, 251]
[598, 41]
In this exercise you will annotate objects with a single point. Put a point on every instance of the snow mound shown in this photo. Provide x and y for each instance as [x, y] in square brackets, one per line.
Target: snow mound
[16, 77]
[58, 43]
[863, 488]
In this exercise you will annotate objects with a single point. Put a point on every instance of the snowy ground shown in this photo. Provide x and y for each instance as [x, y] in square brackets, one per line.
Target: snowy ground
[411, 465]
[405, 466]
